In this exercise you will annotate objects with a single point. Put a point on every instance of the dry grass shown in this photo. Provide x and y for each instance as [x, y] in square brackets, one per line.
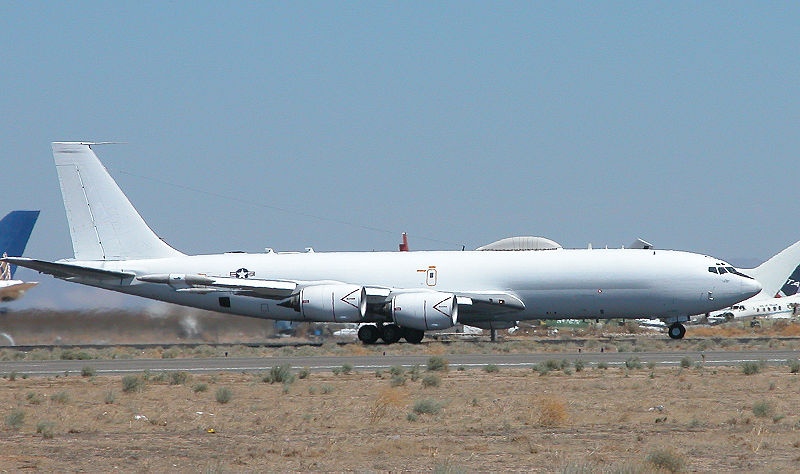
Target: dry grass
[598, 421]
[551, 411]
[720, 331]
[388, 401]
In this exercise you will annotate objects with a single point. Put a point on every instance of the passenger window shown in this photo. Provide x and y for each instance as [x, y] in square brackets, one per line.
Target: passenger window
[722, 270]
[712, 269]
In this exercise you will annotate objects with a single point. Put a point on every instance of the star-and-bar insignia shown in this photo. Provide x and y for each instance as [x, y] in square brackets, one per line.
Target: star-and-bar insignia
[242, 273]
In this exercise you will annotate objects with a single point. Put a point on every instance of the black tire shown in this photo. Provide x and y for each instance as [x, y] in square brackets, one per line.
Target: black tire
[391, 333]
[414, 336]
[368, 334]
[677, 331]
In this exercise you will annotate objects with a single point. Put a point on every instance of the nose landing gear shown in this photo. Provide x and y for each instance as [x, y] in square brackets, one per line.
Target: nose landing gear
[677, 331]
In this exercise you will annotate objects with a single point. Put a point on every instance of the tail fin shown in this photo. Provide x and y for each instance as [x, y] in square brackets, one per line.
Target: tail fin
[15, 230]
[103, 224]
[779, 275]
[792, 284]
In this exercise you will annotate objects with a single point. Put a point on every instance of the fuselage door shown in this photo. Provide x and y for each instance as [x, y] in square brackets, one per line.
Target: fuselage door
[431, 276]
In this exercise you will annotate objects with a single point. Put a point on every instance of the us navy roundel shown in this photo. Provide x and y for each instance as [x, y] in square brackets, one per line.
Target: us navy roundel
[242, 273]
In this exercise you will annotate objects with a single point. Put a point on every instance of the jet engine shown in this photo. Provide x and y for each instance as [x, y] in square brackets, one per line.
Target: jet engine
[425, 311]
[333, 303]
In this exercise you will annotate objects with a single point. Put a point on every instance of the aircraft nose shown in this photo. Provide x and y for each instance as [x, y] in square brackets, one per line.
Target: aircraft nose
[751, 288]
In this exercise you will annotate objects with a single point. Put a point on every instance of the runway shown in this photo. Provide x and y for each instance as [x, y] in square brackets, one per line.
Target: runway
[375, 362]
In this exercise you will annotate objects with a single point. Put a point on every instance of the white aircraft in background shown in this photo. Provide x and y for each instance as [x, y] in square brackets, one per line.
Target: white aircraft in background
[15, 230]
[780, 278]
[402, 294]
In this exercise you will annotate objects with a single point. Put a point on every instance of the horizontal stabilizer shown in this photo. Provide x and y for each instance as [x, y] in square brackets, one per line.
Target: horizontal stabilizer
[15, 290]
[66, 270]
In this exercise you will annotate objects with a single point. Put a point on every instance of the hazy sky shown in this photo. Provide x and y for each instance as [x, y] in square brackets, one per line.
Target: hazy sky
[340, 125]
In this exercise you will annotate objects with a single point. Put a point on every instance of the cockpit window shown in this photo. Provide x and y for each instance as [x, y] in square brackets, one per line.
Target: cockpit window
[722, 270]
[737, 272]
[712, 269]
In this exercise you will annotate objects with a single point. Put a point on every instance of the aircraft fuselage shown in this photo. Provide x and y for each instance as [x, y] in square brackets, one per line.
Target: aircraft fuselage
[552, 284]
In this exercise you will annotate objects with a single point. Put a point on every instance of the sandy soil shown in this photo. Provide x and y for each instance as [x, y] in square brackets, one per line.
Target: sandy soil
[587, 421]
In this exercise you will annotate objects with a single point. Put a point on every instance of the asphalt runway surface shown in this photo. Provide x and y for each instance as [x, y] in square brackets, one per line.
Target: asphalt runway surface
[375, 362]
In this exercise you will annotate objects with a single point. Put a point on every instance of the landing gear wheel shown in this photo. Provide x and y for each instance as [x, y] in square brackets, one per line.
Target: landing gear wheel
[414, 336]
[677, 331]
[368, 334]
[391, 333]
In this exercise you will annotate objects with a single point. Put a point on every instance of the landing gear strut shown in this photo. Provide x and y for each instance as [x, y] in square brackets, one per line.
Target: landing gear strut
[677, 331]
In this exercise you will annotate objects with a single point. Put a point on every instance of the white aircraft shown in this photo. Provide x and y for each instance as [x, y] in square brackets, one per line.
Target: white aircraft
[402, 293]
[780, 277]
[15, 230]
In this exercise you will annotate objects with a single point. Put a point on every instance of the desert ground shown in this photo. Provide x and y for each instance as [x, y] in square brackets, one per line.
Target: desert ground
[557, 418]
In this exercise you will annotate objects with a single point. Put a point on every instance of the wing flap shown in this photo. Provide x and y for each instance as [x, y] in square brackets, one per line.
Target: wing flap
[501, 301]
[207, 284]
[264, 288]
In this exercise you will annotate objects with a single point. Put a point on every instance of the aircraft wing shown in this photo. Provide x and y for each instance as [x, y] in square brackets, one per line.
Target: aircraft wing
[67, 271]
[14, 289]
[244, 286]
[472, 304]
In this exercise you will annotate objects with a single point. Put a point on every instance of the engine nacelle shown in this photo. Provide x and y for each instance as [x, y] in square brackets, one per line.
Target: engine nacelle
[333, 303]
[425, 311]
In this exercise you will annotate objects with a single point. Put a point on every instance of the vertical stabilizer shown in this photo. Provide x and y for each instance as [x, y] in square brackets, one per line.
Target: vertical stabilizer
[103, 224]
[15, 230]
[777, 272]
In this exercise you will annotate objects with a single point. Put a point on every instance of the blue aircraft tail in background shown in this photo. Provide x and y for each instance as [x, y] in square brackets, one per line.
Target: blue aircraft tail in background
[15, 230]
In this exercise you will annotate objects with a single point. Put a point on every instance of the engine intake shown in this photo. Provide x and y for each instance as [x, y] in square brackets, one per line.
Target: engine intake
[425, 311]
[333, 303]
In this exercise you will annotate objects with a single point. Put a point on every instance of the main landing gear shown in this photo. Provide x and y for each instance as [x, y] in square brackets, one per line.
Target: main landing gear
[677, 331]
[368, 334]
[389, 333]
